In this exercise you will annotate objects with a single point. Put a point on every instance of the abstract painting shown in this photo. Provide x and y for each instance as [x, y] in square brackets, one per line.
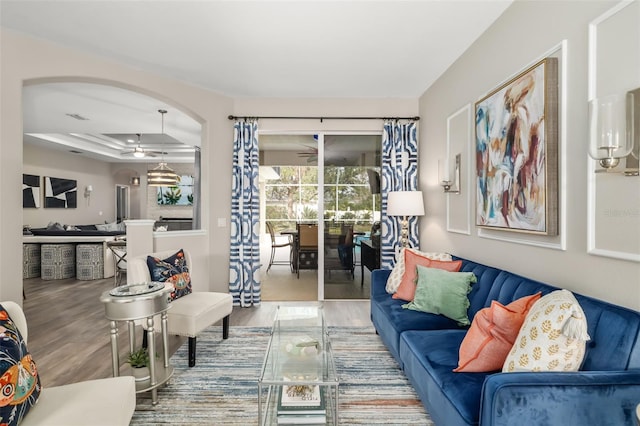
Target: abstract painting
[60, 193]
[30, 191]
[517, 153]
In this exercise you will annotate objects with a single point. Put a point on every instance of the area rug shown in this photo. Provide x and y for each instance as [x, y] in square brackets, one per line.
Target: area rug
[222, 388]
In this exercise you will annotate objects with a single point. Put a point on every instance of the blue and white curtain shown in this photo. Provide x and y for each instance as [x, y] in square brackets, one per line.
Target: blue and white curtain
[399, 173]
[244, 277]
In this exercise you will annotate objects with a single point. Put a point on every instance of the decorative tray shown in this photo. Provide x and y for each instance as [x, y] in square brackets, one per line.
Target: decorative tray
[136, 289]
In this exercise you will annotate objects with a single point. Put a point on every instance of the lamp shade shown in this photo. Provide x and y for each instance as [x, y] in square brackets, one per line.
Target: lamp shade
[610, 126]
[405, 203]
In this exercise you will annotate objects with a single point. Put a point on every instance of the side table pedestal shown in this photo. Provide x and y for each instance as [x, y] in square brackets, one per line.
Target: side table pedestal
[120, 306]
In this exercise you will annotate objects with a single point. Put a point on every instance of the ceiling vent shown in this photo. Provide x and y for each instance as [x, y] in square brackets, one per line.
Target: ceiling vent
[77, 117]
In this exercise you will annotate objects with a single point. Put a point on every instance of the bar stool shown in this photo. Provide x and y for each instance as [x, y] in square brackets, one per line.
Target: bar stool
[119, 250]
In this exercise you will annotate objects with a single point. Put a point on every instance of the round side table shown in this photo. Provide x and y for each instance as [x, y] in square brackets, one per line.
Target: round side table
[140, 302]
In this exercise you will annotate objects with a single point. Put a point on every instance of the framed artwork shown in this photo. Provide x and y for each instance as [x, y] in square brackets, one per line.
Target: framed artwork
[180, 195]
[60, 193]
[30, 191]
[517, 153]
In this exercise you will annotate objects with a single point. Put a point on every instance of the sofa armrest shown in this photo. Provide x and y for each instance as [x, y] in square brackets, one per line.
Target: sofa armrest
[585, 397]
[379, 281]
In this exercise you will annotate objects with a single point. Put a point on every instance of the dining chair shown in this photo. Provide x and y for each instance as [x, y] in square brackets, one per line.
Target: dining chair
[307, 249]
[341, 256]
[276, 245]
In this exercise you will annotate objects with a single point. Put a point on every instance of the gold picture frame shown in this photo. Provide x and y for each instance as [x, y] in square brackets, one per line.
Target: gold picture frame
[517, 153]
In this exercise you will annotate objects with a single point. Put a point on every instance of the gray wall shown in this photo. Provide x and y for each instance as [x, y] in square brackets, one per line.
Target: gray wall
[526, 32]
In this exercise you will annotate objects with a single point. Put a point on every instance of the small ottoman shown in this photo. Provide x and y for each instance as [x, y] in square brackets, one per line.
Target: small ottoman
[89, 262]
[30, 260]
[58, 261]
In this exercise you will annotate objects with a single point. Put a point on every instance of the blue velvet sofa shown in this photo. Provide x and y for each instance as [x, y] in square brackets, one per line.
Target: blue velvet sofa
[604, 392]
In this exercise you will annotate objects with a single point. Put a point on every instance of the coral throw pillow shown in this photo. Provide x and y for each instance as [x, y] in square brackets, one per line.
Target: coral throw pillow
[174, 270]
[407, 287]
[552, 338]
[20, 381]
[492, 334]
[395, 277]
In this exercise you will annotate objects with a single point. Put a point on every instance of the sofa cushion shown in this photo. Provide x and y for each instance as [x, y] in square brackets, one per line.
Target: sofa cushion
[492, 334]
[407, 288]
[112, 227]
[443, 292]
[390, 320]
[429, 358]
[393, 282]
[20, 384]
[552, 337]
[174, 270]
[100, 402]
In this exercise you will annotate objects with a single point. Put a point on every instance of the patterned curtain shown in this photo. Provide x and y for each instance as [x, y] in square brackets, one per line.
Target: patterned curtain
[399, 173]
[244, 277]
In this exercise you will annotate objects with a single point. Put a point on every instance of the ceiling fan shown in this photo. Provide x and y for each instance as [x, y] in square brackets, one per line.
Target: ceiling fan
[139, 152]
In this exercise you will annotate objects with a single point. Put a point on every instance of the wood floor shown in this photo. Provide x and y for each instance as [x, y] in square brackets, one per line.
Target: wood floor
[69, 334]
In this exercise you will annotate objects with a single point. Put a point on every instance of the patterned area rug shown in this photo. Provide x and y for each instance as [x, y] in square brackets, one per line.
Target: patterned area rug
[222, 388]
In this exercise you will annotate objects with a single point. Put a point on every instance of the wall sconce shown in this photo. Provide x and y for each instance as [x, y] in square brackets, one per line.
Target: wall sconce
[404, 204]
[87, 193]
[450, 187]
[611, 129]
[135, 181]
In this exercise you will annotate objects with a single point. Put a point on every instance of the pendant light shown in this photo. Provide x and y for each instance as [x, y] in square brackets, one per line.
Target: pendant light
[162, 175]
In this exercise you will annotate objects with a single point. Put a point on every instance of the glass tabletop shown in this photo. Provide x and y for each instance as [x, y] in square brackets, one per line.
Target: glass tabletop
[299, 350]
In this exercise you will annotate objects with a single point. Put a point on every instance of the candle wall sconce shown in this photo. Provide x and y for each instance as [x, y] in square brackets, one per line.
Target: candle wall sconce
[450, 186]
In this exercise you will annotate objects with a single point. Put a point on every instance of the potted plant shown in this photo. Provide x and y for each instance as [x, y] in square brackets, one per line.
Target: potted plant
[139, 362]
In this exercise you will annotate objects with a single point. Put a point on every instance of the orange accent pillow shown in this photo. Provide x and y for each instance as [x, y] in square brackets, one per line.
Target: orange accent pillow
[407, 288]
[492, 334]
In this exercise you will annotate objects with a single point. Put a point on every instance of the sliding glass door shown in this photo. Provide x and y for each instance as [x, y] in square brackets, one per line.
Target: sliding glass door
[329, 181]
[351, 205]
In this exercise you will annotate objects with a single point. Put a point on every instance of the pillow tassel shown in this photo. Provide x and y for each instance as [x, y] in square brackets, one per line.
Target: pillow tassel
[575, 328]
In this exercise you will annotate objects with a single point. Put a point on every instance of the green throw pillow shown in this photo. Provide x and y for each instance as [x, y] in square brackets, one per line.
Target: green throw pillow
[443, 292]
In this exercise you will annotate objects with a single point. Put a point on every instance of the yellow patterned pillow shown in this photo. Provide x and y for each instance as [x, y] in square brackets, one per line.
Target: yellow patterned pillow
[552, 337]
[395, 277]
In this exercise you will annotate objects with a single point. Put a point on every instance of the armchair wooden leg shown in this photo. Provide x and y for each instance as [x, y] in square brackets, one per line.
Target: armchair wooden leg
[225, 327]
[192, 351]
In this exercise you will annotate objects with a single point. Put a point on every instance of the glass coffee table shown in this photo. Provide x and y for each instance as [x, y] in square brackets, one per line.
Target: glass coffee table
[298, 383]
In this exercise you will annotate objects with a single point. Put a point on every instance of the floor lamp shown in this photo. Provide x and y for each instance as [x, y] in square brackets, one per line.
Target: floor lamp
[405, 204]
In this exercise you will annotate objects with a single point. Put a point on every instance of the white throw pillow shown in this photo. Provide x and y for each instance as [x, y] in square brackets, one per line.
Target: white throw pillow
[395, 277]
[112, 227]
[552, 337]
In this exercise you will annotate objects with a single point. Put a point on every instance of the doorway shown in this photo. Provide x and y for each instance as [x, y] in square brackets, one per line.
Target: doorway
[327, 180]
[122, 203]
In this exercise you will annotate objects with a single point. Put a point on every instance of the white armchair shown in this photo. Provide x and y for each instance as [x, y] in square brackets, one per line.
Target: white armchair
[189, 314]
[101, 402]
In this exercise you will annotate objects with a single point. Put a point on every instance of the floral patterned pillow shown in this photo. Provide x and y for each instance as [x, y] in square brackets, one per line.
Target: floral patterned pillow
[173, 269]
[19, 384]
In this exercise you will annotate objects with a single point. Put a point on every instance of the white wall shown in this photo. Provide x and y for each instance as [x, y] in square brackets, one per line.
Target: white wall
[27, 59]
[525, 32]
[99, 208]
[103, 177]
